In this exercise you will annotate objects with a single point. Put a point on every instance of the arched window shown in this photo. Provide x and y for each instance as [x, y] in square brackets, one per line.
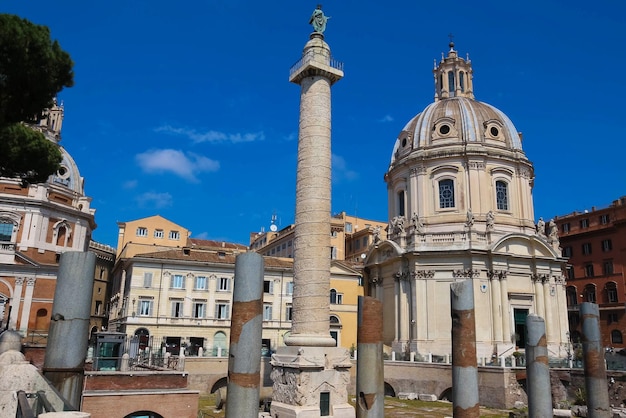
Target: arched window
[451, 83]
[6, 230]
[590, 293]
[144, 337]
[8, 226]
[572, 296]
[62, 233]
[502, 195]
[446, 193]
[334, 320]
[462, 81]
[401, 203]
[333, 296]
[616, 337]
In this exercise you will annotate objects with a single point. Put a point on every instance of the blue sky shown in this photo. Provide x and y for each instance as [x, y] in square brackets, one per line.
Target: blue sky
[184, 109]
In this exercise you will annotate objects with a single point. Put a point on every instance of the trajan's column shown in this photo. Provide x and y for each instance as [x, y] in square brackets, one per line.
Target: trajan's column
[311, 375]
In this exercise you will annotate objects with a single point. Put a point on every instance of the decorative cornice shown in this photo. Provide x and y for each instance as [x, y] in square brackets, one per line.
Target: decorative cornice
[497, 274]
[467, 273]
[523, 172]
[423, 274]
[476, 165]
[378, 281]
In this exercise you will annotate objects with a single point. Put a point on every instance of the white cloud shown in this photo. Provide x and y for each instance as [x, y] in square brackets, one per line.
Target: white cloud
[177, 162]
[341, 170]
[154, 200]
[386, 118]
[212, 136]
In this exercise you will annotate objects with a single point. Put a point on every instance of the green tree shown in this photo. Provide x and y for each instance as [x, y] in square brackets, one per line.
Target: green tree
[33, 69]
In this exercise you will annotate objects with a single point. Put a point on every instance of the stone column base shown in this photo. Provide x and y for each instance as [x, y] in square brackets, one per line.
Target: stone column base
[308, 380]
[281, 410]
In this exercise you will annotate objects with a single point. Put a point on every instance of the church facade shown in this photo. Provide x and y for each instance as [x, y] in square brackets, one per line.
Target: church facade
[37, 224]
[460, 207]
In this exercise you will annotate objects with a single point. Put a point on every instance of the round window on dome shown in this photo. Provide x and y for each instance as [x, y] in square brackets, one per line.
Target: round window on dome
[63, 172]
[444, 129]
[494, 131]
[403, 142]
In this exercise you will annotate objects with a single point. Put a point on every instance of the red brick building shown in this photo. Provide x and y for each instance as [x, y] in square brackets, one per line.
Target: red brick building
[595, 243]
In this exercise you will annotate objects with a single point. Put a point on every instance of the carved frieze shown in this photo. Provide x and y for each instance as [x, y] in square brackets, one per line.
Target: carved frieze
[466, 273]
[476, 165]
[497, 274]
[423, 274]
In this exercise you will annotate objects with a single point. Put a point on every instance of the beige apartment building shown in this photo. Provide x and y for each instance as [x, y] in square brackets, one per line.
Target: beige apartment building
[177, 291]
[350, 238]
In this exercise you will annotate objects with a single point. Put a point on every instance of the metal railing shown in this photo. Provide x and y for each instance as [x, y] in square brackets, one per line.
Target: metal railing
[31, 404]
[333, 63]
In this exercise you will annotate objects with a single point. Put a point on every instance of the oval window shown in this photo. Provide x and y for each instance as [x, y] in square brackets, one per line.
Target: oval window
[494, 131]
[404, 142]
[444, 129]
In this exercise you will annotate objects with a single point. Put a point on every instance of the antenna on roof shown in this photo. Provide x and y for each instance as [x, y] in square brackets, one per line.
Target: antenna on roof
[273, 226]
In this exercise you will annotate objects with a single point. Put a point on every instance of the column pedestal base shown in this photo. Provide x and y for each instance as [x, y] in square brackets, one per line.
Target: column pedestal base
[311, 382]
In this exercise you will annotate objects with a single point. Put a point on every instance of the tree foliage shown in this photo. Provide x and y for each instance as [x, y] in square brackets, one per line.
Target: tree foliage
[33, 69]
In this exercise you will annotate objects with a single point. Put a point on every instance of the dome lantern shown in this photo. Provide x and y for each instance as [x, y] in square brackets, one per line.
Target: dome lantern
[453, 76]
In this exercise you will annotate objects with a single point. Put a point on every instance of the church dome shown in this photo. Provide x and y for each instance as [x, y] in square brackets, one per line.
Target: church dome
[459, 164]
[457, 120]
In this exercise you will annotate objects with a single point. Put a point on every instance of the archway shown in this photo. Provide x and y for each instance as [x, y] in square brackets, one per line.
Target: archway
[219, 344]
[41, 319]
[144, 414]
[389, 390]
[144, 337]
